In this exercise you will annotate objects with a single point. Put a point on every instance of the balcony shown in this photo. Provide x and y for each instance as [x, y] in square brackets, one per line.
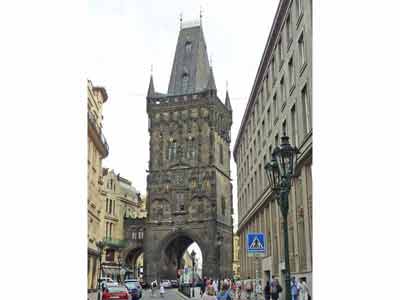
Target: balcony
[116, 244]
[97, 135]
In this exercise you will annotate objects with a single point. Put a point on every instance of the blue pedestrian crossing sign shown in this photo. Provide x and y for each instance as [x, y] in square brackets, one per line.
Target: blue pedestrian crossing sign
[255, 243]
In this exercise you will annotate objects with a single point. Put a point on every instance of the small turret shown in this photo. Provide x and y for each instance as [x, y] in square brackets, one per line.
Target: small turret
[150, 91]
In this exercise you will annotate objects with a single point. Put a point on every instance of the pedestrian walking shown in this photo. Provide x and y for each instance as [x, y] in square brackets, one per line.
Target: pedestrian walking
[209, 294]
[162, 290]
[249, 288]
[239, 289]
[304, 293]
[275, 288]
[203, 285]
[153, 287]
[267, 291]
[294, 288]
[215, 286]
[224, 293]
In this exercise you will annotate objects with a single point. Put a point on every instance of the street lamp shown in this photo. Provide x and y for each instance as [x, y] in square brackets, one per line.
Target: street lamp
[280, 171]
[100, 246]
[121, 273]
[193, 256]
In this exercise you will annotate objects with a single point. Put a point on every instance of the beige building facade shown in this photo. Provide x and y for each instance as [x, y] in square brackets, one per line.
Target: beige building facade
[97, 151]
[236, 256]
[121, 201]
[280, 103]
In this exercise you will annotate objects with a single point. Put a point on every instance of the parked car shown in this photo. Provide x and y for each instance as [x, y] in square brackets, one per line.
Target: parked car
[135, 281]
[107, 281]
[174, 283]
[166, 283]
[115, 292]
[134, 289]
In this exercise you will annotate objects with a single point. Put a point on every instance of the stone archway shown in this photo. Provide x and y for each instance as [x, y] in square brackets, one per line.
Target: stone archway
[130, 258]
[172, 249]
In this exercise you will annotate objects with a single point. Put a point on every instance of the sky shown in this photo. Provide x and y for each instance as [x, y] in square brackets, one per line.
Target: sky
[127, 37]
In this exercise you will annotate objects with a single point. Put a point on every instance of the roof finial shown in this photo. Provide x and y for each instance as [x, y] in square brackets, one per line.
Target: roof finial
[180, 19]
[201, 14]
[227, 85]
[151, 70]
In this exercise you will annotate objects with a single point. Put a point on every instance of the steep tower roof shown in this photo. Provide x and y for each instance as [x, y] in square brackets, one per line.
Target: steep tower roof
[191, 70]
[228, 101]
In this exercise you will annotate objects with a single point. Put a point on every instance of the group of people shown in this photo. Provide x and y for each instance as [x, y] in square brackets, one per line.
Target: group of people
[212, 289]
[299, 290]
[153, 287]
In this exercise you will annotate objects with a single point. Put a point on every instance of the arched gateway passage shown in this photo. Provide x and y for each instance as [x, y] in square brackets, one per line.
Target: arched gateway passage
[175, 256]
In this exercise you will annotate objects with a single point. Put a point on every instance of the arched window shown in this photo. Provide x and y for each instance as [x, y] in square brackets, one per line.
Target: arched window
[188, 47]
[191, 149]
[185, 81]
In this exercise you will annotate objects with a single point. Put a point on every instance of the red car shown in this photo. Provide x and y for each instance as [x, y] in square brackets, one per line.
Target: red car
[115, 292]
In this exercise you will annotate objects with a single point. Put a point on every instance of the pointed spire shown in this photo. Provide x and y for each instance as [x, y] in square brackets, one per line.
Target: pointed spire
[201, 15]
[150, 91]
[211, 81]
[180, 20]
[227, 100]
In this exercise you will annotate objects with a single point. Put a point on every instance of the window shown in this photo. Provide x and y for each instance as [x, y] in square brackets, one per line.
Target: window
[171, 150]
[134, 235]
[110, 254]
[275, 103]
[257, 109]
[291, 72]
[283, 94]
[273, 68]
[302, 53]
[221, 154]
[280, 53]
[191, 151]
[106, 230]
[306, 110]
[284, 128]
[265, 162]
[294, 125]
[188, 47]
[263, 128]
[223, 206]
[180, 202]
[106, 204]
[259, 138]
[288, 30]
[185, 81]
[262, 97]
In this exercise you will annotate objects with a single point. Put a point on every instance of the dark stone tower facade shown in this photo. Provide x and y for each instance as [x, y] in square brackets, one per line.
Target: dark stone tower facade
[188, 184]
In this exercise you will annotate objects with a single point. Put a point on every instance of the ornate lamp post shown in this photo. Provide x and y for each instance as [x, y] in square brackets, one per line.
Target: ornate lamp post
[100, 246]
[121, 270]
[280, 171]
[193, 256]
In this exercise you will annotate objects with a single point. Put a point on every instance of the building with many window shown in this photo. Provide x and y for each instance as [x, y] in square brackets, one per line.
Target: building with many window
[121, 201]
[280, 103]
[236, 257]
[97, 151]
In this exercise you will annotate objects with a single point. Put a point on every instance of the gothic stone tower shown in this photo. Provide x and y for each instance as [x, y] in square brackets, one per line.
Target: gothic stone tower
[188, 185]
